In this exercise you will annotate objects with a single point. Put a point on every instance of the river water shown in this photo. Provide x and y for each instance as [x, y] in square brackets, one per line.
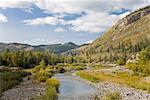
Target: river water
[72, 88]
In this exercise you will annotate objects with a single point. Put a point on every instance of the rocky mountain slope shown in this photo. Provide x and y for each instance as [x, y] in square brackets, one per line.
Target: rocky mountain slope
[56, 48]
[128, 36]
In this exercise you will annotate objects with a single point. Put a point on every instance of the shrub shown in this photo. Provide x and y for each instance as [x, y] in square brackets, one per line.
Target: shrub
[79, 67]
[42, 63]
[145, 54]
[36, 69]
[51, 94]
[121, 61]
[49, 67]
[60, 69]
[53, 82]
[10, 79]
[112, 96]
[41, 76]
[23, 73]
[139, 67]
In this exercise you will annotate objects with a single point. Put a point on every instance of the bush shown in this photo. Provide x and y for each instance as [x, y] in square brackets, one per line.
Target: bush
[60, 69]
[10, 79]
[42, 63]
[36, 69]
[50, 94]
[112, 96]
[53, 82]
[79, 67]
[145, 54]
[41, 76]
[49, 67]
[140, 67]
[121, 61]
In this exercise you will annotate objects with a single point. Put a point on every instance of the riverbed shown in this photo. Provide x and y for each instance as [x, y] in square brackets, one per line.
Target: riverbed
[72, 88]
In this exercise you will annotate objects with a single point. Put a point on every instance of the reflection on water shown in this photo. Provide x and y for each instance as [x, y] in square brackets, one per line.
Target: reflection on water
[70, 85]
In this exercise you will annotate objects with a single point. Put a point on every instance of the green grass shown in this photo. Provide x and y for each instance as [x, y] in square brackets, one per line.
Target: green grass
[52, 85]
[75, 66]
[139, 67]
[50, 94]
[112, 96]
[9, 79]
[134, 81]
[41, 74]
[53, 82]
[88, 76]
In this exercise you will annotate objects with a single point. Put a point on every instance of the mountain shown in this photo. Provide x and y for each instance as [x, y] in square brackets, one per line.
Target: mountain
[127, 37]
[56, 48]
[75, 51]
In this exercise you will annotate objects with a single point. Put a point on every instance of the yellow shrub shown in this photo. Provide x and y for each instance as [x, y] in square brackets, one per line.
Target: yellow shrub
[53, 82]
[36, 69]
[49, 67]
[42, 75]
[112, 96]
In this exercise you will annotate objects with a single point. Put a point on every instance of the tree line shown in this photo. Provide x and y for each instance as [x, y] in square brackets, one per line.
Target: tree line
[30, 58]
[113, 52]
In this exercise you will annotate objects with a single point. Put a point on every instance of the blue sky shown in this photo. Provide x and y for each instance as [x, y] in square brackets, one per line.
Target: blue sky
[58, 21]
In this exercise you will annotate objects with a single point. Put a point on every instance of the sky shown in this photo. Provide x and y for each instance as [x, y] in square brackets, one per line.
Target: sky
[59, 21]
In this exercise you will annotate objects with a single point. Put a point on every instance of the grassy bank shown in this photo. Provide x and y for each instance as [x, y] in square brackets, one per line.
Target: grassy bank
[69, 67]
[8, 79]
[88, 76]
[44, 74]
[112, 96]
[121, 78]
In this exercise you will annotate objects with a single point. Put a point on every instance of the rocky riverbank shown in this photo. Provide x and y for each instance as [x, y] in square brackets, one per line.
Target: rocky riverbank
[127, 93]
[29, 88]
[24, 91]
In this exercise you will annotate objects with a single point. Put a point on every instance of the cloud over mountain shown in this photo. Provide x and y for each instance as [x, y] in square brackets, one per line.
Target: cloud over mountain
[97, 14]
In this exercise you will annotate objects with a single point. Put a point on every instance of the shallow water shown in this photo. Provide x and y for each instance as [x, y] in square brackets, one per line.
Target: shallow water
[72, 88]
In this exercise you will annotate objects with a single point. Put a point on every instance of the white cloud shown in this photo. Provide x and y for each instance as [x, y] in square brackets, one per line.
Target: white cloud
[74, 6]
[123, 15]
[3, 19]
[16, 3]
[93, 22]
[38, 40]
[77, 6]
[90, 41]
[59, 30]
[97, 18]
[43, 21]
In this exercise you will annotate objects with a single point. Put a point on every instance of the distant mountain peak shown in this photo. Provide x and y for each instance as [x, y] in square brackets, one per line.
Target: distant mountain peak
[70, 43]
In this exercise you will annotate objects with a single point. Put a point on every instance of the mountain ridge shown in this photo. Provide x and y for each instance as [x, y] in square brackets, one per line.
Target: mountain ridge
[56, 48]
[128, 36]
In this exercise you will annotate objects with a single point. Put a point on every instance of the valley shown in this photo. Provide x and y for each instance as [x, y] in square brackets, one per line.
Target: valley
[115, 66]
[96, 83]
